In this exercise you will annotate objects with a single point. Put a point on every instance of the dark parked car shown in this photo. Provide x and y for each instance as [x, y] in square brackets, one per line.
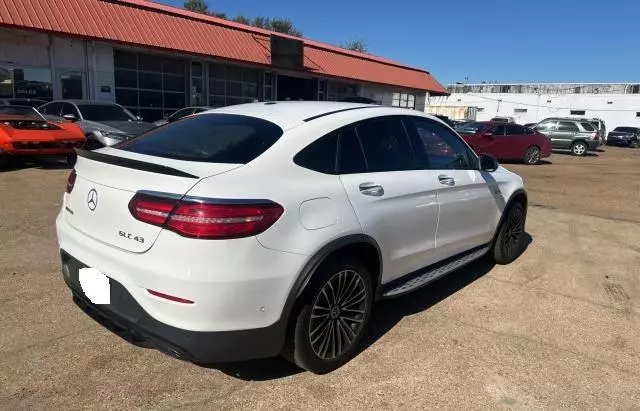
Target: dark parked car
[358, 99]
[624, 136]
[183, 112]
[24, 102]
[447, 120]
[104, 123]
[506, 141]
[579, 136]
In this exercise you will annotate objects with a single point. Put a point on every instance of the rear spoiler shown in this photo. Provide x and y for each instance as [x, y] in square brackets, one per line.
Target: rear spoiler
[133, 164]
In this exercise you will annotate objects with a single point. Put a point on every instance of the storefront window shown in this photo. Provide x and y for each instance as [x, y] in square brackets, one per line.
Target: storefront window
[25, 82]
[152, 86]
[229, 85]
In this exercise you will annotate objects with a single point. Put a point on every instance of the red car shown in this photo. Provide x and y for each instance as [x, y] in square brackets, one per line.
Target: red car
[24, 132]
[506, 141]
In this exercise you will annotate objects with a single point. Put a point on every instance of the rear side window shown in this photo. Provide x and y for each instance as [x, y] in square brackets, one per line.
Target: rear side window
[212, 138]
[567, 126]
[514, 130]
[588, 127]
[320, 155]
[499, 131]
[386, 145]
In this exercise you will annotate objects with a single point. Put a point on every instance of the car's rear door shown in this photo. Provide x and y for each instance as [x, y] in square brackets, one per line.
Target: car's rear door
[469, 210]
[394, 200]
[515, 142]
[565, 133]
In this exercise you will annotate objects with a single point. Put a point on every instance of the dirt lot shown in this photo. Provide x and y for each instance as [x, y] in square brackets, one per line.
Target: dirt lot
[560, 327]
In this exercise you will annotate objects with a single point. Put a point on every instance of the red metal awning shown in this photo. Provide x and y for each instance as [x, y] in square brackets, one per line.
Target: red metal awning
[140, 22]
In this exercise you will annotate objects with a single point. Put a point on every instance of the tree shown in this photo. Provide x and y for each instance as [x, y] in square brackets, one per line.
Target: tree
[197, 6]
[242, 20]
[355, 45]
[284, 26]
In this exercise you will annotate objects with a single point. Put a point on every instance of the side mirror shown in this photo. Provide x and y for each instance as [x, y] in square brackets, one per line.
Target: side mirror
[488, 134]
[138, 118]
[488, 163]
[70, 117]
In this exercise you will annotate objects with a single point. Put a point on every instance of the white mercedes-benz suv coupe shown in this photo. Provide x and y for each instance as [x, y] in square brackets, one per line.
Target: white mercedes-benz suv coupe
[272, 228]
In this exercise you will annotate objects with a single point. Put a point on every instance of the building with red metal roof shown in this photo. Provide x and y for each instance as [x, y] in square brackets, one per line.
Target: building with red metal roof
[155, 59]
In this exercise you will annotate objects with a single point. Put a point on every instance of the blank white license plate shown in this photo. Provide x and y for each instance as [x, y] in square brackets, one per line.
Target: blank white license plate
[95, 285]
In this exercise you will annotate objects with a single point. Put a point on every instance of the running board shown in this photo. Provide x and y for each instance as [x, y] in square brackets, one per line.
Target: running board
[420, 278]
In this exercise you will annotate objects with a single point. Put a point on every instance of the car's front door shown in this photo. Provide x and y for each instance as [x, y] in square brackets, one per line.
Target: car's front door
[490, 141]
[395, 201]
[469, 204]
[515, 142]
[549, 129]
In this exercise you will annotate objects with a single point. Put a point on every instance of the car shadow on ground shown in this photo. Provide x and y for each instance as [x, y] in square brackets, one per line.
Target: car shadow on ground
[42, 164]
[386, 314]
[568, 152]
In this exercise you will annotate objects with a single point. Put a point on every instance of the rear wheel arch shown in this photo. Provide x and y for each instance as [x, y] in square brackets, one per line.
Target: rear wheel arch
[360, 246]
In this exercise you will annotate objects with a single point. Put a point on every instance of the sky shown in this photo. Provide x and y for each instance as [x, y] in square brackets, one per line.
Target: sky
[502, 41]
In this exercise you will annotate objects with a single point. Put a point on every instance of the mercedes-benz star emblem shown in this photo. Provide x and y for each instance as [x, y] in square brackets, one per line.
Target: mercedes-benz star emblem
[92, 199]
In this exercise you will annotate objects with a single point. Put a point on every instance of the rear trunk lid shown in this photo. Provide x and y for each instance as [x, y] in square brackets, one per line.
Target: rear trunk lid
[107, 180]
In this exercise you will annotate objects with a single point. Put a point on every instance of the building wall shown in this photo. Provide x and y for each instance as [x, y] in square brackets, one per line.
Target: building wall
[615, 109]
[385, 95]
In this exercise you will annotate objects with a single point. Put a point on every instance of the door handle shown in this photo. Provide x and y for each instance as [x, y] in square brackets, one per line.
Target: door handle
[371, 189]
[446, 180]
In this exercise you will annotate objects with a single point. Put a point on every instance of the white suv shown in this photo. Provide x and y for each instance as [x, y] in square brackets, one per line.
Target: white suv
[269, 228]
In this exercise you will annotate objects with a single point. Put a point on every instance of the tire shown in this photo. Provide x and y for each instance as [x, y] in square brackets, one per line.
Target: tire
[508, 243]
[634, 144]
[4, 160]
[326, 336]
[579, 148]
[532, 155]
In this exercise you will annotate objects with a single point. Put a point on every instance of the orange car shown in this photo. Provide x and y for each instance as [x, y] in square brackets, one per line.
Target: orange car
[24, 132]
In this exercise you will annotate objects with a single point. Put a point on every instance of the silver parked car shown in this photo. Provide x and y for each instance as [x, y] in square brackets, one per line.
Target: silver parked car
[104, 123]
[183, 112]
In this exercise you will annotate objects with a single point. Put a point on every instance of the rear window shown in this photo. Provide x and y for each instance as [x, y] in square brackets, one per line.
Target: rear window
[626, 129]
[588, 127]
[211, 138]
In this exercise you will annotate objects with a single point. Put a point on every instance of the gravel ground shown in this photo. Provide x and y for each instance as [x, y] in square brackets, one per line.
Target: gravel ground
[557, 328]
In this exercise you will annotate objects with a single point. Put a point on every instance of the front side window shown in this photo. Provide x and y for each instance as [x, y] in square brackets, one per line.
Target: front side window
[546, 126]
[499, 131]
[472, 127]
[441, 148]
[180, 113]
[211, 138]
[385, 144]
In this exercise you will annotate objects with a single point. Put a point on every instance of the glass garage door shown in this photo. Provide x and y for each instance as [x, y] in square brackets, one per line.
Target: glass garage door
[150, 86]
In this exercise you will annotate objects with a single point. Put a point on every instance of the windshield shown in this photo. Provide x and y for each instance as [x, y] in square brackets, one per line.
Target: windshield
[14, 112]
[470, 128]
[626, 129]
[105, 112]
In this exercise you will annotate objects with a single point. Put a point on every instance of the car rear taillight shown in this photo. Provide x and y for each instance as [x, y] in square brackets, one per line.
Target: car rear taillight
[71, 181]
[206, 219]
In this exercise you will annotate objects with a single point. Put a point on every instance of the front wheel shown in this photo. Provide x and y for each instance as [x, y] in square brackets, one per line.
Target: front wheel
[4, 160]
[508, 243]
[332, 319]
[579, 149]
[532, 155]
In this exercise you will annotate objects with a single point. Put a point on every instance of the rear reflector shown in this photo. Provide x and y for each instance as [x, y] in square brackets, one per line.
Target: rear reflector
[208, 219]
[170, 297]
[71, 181]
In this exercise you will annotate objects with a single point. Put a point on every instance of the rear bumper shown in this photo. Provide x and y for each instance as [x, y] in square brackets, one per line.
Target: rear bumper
[125, 313]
